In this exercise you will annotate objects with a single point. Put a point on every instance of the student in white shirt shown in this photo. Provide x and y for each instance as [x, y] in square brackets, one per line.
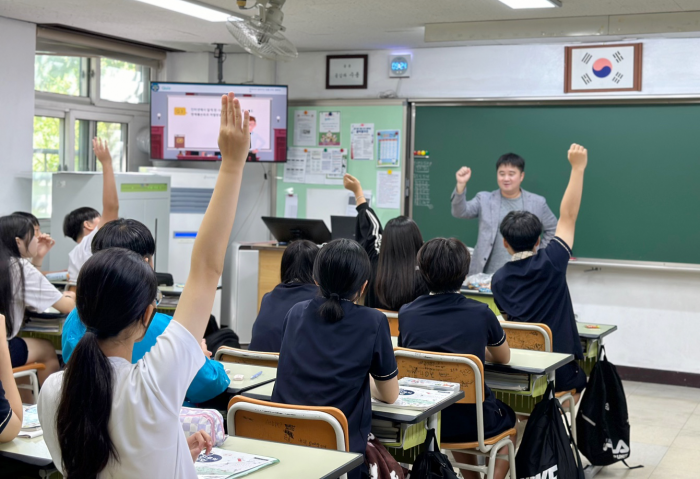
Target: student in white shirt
[105, 417]
[81, 224]
[45, 241]
[30, 290]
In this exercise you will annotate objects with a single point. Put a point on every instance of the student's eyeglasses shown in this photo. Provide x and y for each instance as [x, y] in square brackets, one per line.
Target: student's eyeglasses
[159, 297]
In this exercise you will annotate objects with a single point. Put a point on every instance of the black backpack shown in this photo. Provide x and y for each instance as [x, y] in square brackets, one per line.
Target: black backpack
[546, 449]
[602, 422]
[432, 464]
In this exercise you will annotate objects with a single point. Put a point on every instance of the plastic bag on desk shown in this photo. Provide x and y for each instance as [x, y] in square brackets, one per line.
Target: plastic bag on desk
[479, 282]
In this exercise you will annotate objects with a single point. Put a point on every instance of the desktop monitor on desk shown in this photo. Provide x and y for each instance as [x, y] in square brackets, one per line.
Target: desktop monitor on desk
[286, 230]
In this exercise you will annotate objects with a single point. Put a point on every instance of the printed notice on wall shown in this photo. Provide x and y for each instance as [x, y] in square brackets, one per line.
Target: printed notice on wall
[362, 141]
[388, 147]
[305, 128]
[388, 189]
[295, 167]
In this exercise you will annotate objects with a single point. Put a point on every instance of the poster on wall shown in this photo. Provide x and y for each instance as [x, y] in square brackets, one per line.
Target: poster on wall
[603, 68]
[388, 148]
[362, 141]
[329, 128]
[304, 128]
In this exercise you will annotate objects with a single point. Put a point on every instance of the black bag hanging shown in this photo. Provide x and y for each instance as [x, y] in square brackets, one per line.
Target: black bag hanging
[432, 464]
[546, 449]
[602, 422]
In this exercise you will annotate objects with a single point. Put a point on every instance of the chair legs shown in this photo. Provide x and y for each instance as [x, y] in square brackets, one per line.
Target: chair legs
[572, 411]
[33, 382]
[492, 454]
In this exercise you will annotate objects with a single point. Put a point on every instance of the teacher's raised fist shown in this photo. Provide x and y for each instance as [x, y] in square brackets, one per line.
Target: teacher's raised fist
[463, 175]
[578, 156]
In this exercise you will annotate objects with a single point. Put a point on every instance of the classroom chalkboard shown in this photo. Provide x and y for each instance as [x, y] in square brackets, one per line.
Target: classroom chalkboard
[641, 198]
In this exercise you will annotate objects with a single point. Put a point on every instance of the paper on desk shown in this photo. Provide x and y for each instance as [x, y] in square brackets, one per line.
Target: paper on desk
[222, 463]
[30, 418]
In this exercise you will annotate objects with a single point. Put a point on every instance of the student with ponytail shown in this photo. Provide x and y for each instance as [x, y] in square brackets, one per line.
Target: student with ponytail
[106, 417]
[331, 346]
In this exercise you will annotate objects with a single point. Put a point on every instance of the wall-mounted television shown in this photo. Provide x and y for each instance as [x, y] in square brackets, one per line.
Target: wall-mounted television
[185, 119]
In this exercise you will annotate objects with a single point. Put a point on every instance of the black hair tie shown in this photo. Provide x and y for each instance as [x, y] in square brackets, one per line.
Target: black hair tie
[335, 296]
[92, 330]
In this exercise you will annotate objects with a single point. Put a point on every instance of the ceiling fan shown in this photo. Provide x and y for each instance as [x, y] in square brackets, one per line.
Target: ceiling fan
[261, 35]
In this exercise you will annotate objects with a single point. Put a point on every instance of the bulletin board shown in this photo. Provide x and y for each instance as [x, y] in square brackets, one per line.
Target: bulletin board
[385, 116]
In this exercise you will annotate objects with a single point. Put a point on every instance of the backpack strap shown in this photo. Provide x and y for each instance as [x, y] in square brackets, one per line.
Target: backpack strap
[631, 467]
[571, 440]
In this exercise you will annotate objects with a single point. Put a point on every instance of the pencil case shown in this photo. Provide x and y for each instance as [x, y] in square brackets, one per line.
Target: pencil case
[208, 420]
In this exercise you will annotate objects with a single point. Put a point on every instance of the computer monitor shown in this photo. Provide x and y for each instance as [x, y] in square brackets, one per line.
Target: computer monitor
[343, 227]
[185, 119]
[286, 230]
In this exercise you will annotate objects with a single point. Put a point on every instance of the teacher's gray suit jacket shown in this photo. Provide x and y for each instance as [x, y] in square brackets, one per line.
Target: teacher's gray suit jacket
[486, 206]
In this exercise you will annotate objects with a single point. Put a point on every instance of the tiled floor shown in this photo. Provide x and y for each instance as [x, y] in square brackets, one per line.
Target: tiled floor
[665, 433]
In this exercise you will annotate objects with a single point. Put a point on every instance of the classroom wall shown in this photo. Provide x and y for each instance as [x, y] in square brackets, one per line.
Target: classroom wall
[532, 70]
[17, 45]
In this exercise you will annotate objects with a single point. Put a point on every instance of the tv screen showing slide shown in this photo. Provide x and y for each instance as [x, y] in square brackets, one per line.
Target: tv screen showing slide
[185, 119]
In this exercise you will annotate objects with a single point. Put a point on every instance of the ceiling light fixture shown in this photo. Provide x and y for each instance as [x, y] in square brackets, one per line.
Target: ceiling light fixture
[189, 8]
[519, 4]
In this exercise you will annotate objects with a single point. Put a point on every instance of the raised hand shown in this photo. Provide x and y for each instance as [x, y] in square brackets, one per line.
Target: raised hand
[102, 152]
[234, 134]
[578, 156]
[353, 184]
[463, 175]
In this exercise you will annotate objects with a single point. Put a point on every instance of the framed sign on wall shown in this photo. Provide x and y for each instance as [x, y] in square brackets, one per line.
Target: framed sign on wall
[346, 71]
[603, 68]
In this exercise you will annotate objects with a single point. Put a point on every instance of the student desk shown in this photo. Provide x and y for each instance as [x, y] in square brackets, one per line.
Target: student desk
[247, 370]
[481, 297]
[171, 297]
[295, 461]
[32, 451]
[49, 318]
[592, 341]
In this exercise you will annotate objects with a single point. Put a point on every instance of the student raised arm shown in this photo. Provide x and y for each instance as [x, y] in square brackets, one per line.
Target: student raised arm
[210, 246]
[10, 403]
[571, 202]
[110, 199]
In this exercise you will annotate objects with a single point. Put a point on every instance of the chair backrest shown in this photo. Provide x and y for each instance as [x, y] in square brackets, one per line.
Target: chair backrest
[530, 336]
[465, 369]
[165, 279]
[393, 318]
[243, 356]
[321, 427]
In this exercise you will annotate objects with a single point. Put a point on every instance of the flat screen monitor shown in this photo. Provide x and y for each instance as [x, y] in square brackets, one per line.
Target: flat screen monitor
[185, 119]
[286, 230]
[343, 227]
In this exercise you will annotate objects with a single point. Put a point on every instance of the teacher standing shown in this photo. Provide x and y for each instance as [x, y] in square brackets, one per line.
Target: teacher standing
[492, 206]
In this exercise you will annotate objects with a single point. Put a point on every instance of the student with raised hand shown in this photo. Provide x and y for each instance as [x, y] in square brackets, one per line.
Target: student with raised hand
[297, 273]
[105, 416]
[334, 352]
[532, 287]
[44, 240]
[30, 290]
[447, 322]
[395, 280]
[82, 224]
[211, 379]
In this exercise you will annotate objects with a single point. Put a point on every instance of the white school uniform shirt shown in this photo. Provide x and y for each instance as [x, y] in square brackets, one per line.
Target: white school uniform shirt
[39, 293]
[79, 255]
[145, 421]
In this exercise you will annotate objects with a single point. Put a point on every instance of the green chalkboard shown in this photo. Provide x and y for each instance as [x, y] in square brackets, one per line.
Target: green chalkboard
[641, 198]
[384, 117]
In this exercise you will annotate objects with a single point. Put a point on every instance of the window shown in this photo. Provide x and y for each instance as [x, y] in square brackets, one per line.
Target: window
[123, 82]
[115, 134]
[63, 75]
[46, 159]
